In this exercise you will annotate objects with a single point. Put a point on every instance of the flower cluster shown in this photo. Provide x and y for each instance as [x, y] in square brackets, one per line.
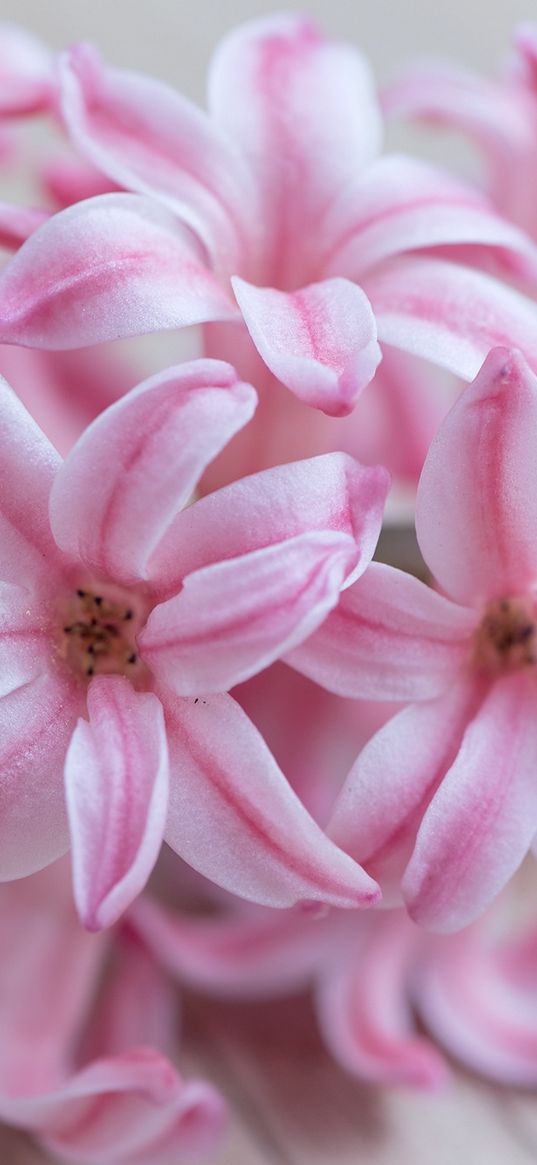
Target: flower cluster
[196, 643]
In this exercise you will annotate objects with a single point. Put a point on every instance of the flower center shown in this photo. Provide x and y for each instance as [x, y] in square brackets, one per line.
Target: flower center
[99, 632]
[506, 639]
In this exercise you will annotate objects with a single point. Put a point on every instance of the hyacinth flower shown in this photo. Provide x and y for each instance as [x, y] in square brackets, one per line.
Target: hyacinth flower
[125, 622]
[499, 117]
[88, 1028]
[372, 976]
[444, 796]
[300, 240]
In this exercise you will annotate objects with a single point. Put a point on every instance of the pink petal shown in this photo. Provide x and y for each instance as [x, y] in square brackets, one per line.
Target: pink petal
[138, 463]
[234, 618]
[117, 1023]
[17, 223]
[473, 1003]
[390, 637]
[320, 341]
[66, 178]
[401, 204]
[303, 112]
[477, 527]
[449, 314]
[131, 1108]
[28, 464]
[113, 266]
[37, 715]
[364, 1011]
[481, 822]
[331, 492]
[153, 141]
[26, 77]
[116, 775]
[234, 818]
[379, 809]
[244, 956]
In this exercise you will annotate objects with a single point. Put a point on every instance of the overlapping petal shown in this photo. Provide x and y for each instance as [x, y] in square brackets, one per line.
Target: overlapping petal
[476, 514]
[234, 817]
[26, 72]
[481, 821]
[390, 637]
[116, 265]
[320, 341]
[137, 465]
[116, 775]
[17, 223]
[149, 139]
[332, 492]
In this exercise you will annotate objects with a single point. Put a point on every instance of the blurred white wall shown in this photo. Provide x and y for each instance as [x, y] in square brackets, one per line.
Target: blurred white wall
[173, 38]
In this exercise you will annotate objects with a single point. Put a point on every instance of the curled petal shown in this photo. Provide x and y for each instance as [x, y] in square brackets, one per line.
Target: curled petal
[320, 341]
[26, 73]
[234, 817]
[116, 775]
[332, 492]
[449, 314]
[153, 141]
[477, 527]
[390, 637]
[304, 114]
[116, 265]
[138, 463]
[481, 821]
[364, 1011]
[234, 618]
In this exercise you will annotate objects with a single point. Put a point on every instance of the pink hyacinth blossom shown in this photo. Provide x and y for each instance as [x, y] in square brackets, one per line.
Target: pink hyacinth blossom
[444, 796]
[126, 621]
[275, 216]
[84, 1066]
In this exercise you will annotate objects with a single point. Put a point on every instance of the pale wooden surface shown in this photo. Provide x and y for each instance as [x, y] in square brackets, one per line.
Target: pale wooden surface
[292, 1106]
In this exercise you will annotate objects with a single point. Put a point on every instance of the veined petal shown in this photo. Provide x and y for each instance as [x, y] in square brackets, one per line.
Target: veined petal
[151, 140]
[138, 463]
[116, 265]
[390, 637]
[26, 75]
[234, 817]
[481, 821]
[476, 513]
[37, 717]
[364, 1011]
[330, 492]
[449, 314]
[320, 341]
[132, 1107]
[116, 776]
[401, 204]
[234, 618]
[303, 113]
[379, 809]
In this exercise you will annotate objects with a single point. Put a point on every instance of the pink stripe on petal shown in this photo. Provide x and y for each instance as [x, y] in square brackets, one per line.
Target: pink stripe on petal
[390, 637]
[330, 492]
[138, 463]
[116, 265]
[481, 821]
[234, 618]
[235, 819]
[321, 341]
[116, 776]
[449, 314]
[476, 512]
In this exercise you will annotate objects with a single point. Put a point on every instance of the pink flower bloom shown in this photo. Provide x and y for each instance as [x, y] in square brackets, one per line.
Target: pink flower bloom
[445, 794]
[116, 605]
[275, 214]
[500, 117]
[84, 1067]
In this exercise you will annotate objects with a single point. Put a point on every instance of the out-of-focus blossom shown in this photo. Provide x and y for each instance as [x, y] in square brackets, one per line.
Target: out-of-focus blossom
[445, 794]
[85, 1061]
[117, 605]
